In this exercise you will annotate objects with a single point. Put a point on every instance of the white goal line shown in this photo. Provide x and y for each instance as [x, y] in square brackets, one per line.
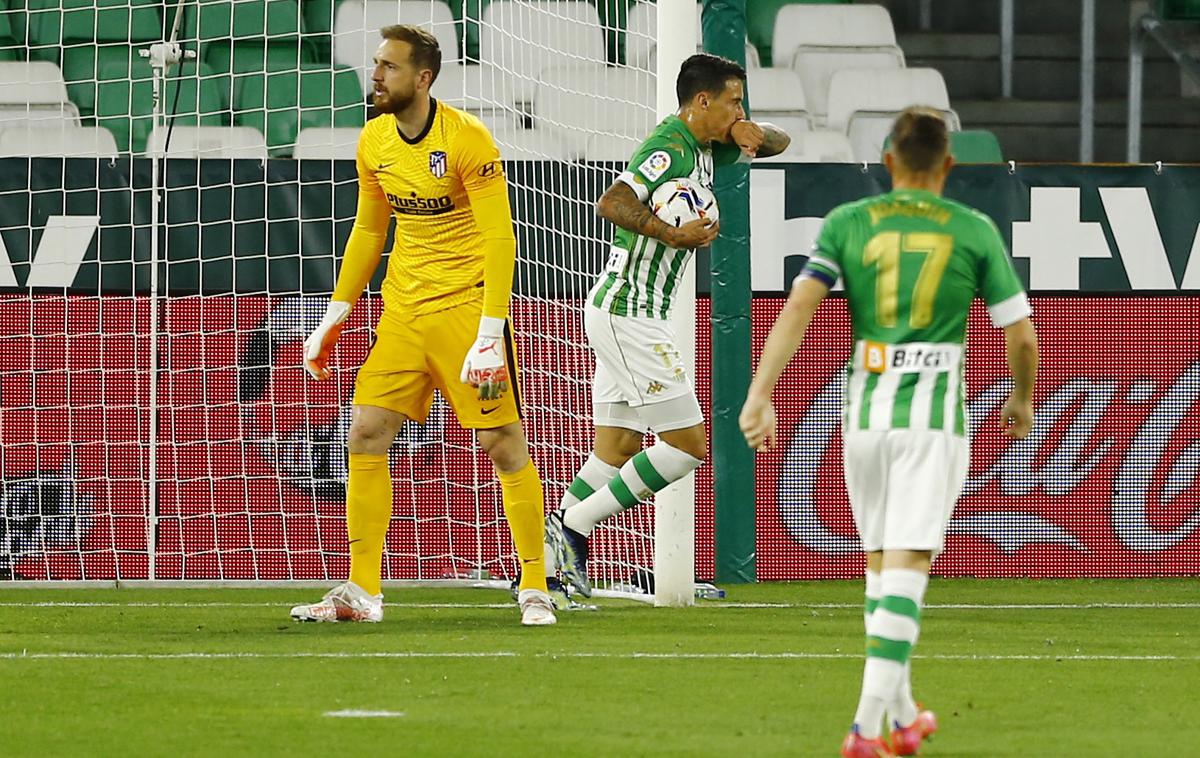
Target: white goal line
[68, 655]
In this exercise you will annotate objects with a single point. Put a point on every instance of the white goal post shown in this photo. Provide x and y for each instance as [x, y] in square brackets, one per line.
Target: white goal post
[158, 424]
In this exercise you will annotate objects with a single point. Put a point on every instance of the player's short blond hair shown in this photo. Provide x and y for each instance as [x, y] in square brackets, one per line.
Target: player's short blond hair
[426, 53]
[920, 139]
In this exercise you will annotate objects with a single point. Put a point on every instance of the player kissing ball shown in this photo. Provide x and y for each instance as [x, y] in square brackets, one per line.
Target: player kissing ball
[678, 201]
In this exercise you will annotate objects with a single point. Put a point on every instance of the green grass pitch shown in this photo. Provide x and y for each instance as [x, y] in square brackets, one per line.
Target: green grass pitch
[1013, 668]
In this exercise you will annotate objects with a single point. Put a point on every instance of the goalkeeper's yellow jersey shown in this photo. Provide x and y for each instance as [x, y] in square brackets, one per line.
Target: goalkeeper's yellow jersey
[437, 259]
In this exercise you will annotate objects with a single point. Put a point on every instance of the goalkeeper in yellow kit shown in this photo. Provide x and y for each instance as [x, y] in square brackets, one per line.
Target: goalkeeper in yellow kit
[444, 324]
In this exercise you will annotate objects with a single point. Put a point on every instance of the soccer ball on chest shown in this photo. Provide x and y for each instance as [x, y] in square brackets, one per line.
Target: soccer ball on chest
[678, 201]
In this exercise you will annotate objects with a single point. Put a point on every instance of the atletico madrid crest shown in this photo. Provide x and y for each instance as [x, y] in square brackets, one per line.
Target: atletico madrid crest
[437, 163]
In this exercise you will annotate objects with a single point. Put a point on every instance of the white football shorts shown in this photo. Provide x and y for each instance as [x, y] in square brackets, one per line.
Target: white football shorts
[640, 381]
[903, 485]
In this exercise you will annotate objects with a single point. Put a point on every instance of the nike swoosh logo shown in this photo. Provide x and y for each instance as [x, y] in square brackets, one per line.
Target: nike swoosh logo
[382, 166]
[351, 542]
[486, 411]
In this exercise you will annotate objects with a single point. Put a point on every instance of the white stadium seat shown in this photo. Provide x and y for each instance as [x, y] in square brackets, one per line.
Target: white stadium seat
[819, 146]
[863, 103]
[519, 39]
[357, 24]
[580, 100]
[817, 40]
[777, 95]
[327, 143]
[533, 145]
[483, 91]
[640, 36]
[208, 142]
[617, 148]
[63, 140]
[640, 47]
[34, 92]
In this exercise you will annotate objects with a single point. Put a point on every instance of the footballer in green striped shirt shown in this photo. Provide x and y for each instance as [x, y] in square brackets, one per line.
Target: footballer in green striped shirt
[911, 263]
[640, 382]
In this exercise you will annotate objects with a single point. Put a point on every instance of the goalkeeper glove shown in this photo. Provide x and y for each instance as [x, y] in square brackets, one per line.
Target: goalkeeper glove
[484, 365]
[320, 343]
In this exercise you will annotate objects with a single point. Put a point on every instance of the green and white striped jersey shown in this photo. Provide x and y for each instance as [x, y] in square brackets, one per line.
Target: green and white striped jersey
[642, 273]
[911, 263]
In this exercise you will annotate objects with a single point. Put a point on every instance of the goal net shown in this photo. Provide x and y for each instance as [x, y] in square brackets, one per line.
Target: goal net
[156, 419]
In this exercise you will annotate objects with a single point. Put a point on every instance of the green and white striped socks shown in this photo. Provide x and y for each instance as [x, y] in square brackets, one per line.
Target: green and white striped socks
[594, 474]
[642, 475]
[902, 710]
[892, 629]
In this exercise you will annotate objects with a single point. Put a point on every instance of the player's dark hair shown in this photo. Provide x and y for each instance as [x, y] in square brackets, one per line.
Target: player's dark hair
[426, 53]
[920, 139]
[704, 72]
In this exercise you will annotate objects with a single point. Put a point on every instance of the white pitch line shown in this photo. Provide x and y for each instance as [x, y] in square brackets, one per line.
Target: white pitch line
[24, 655]
[706, 604]
[353, 714]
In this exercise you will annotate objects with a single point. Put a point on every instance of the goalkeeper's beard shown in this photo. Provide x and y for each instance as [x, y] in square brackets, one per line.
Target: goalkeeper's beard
[390, 103]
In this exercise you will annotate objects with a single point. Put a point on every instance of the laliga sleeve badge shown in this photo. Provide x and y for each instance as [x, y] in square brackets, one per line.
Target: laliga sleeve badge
[655, 165]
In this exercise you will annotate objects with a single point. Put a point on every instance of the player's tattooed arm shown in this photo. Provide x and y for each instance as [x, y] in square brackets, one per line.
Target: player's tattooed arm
[759, 139]
[775, 140]
[620, 205]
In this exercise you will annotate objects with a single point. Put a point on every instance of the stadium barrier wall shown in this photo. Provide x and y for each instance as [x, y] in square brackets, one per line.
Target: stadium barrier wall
[250, 469]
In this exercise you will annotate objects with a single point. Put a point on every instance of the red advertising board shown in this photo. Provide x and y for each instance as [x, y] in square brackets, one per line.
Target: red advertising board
[250, 470]
[1106, 486]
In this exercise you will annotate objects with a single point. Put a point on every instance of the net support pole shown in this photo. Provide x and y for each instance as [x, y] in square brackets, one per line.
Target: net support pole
[733, 462]
[675, 506]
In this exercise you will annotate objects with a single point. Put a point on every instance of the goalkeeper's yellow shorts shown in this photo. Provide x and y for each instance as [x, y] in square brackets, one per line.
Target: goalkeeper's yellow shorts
[412, 355]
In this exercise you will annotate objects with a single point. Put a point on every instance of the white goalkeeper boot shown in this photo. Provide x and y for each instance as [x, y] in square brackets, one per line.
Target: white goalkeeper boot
[537, 608]
[345, 602]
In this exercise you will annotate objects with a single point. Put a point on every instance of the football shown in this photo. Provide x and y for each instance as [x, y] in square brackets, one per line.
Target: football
[678, 201]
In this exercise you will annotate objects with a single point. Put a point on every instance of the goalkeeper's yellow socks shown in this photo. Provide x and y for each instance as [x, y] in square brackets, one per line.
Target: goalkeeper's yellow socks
[524, 507]
[368, 511]
[642, 475]
[891, 633]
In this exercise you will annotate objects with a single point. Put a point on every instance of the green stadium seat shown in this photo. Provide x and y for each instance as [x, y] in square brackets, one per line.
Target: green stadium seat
[467, 14]
[1179, 10]
[249, 19]
[281, 104]
[970, 146]
[79, 66]
[319, 15]
[975, 146]
[12, 34]
[760, 23]
[125, 100]
[84, 34]
[53, 22]
[259, 35]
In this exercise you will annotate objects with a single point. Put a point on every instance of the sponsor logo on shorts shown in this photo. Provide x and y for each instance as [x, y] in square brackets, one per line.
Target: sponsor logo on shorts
[486, 411]
[655, 387]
